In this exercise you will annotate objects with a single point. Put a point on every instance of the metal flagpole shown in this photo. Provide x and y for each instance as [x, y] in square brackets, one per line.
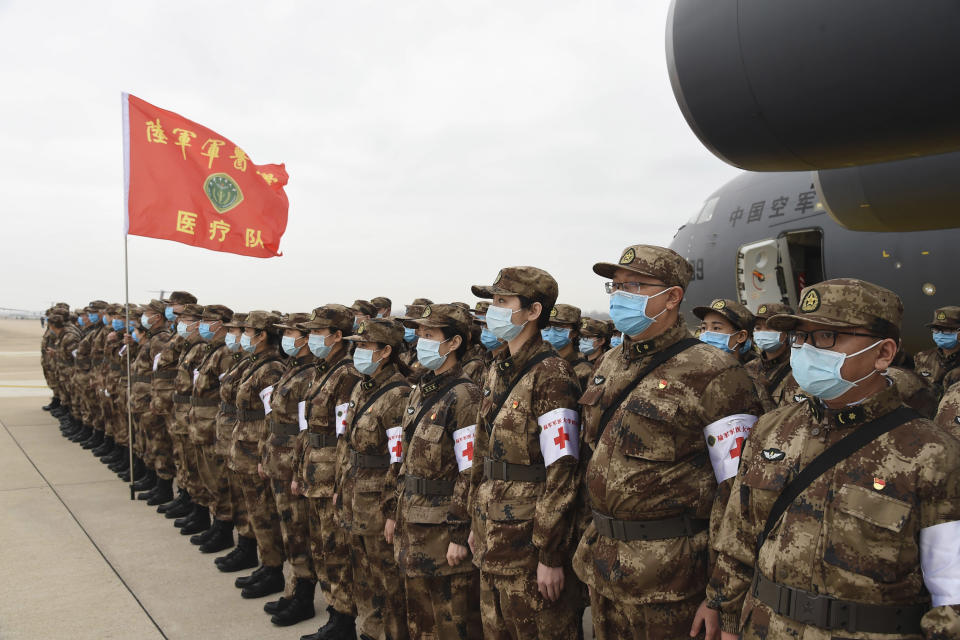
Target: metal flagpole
[126, 287]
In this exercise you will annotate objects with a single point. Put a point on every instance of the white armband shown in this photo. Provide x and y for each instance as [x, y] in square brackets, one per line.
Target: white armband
[395, 443]
[725, 439]
[559, 435]
[196, 374]
[302, 414]
[265, 396]
[940, 562]
[156, 361]
[340, 418]
[463, 446]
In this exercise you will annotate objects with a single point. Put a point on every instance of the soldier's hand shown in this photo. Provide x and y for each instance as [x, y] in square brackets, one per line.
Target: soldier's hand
[470, 543]
[335, 499]
[294, 488]
[260, 472]
[388, 530]
[549, 581]
[706, 617]
[456, 553]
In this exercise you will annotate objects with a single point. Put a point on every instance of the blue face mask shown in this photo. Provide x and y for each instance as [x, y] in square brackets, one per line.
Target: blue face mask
[500, 322]
[587, 346]
[768, 340]
[289, 345]
[718, 340]
[317, 345]
[93, 318]
[131, 327]
[945, 340]
[409, 335]
[117, 324]
[106, 321]
[205, 331]
[428, 353]
[182, 329]
[80, 320]
[557, 337]
[145, 321]
[245, 343]
[231, 341]
[817, 371]
[488, 340]
[629, 312]
[168, 314]
[363, 361]
[136, 336]
[616, 341]
[746, 346]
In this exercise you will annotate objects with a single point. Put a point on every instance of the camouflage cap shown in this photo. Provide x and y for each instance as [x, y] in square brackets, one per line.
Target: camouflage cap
[530, 282]
[481, 307]
[154, 306]
[590, 327]
[195, 310]
[291, 320]
[738, 315]
[564, 314]
[413, 310]
[381, 302]
[946, 318]
[329, 316]
[56, 320]
[217, 312]
[382, 330]
[62, 305]
[180, 297]
[462, 305]
[422, 301]
[261, 320]
[115, 309]
[666, 265]
[442, 315]
[846, 302]
[364, 307]
[236, 322]
[769, 309]
[99, 304]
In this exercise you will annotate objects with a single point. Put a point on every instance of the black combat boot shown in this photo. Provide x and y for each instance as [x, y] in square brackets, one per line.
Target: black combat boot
[199, 523]
[339, 626]
[139, 469]
[122, 463]
[181, 522]
[243, 557]
[182, 496]
[119, 451]
[81, 435]
[181, 510]
[94, 441]
[271, 581]
[162, 492]
[60, 411]
[222, 539]
[105, 448]
[243, 581]
[146, 483]
[70, 427]
[300, 607]
[54, 403]
[276, 606]
[200, 538]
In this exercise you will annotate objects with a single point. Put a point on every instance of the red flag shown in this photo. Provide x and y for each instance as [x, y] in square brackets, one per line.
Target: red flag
[186, 183]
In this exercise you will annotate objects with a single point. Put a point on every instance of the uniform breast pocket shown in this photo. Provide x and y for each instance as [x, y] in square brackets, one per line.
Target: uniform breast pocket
[759, 489]
[646, 432]
[425, 449]
[366, 504]
[866, 533]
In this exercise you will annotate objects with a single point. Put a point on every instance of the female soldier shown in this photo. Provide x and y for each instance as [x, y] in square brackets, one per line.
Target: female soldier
[726, 325]
[431, 525]
[373, 439]
[594, 339]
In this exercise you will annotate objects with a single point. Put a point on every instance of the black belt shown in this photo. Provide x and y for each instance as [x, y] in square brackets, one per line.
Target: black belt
[284, 428]
[114, 366]
[181, 399]
[829, 613]
[141, 378]
[322, 440]
[228, 409]
[427, 487]
[368, 461]
[664, 529]
[164, 374]
[204, 402]
[496, 470]
[251, 415]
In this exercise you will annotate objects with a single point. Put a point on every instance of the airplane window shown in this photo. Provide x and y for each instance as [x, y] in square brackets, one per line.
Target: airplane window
[706, 214]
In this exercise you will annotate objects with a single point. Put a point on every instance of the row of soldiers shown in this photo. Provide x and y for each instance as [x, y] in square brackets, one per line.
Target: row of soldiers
[535, 462]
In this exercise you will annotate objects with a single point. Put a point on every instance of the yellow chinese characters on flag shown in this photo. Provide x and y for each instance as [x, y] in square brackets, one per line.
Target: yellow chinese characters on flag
[187, 183]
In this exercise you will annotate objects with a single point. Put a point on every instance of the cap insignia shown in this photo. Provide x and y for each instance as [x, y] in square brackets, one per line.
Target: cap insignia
[426, 312]
[718, 304]
[941, 316]
[762, 309]
[810, 302]
[628, 256]
[553, 312]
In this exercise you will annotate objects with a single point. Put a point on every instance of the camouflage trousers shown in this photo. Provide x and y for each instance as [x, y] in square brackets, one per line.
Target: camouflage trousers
[187, 472]
[331, 555]
[377, 588]
[105, 411]
[512, 608]
[238, 508]
[441, 607]
[138, 437]
[654, 621]
[157, 448]
[262, 513]
[121, 424]
[293, 511]
[212, 469]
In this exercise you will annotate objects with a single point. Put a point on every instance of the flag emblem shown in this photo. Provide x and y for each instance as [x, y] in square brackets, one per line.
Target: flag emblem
[223, 191]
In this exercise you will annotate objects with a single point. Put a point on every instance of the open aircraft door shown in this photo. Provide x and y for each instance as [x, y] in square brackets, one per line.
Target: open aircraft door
[764, 273]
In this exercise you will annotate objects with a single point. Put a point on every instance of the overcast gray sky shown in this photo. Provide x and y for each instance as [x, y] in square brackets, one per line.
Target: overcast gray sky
[428, 143]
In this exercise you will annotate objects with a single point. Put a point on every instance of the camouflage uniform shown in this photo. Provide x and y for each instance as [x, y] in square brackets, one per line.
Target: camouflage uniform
[367, 494]
[770, 374]
[226, 422]
[263, 371]
[315, 460]
[855, 551]
[113, 389]
[651, 469]
[914, 391]
[599, 332]
[473, 364]
[192, 351]
[948, 412]
[97, 370]
[522, 509]
[277, 452]
[83, 369]
[204, 408]
[568, 316]
[432, 494]
[737, 315]
[936, 366]
[148, 443]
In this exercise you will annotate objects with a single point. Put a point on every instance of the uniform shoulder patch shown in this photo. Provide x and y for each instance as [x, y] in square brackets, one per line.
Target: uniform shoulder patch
[628, 256]
[410, 410]
[718, 304]
[773, 454]
[810, 302]
[925, 374]
[599, 380]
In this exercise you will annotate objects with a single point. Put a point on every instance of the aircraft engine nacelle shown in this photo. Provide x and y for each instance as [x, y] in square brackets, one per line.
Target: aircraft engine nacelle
[817, 84]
